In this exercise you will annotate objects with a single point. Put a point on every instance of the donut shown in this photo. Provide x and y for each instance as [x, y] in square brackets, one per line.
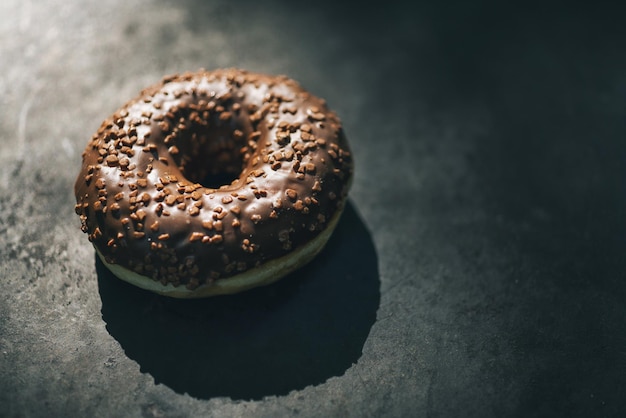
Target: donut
[213, 182]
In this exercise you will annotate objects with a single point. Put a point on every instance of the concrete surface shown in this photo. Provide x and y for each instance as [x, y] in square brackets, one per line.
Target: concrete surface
[479, 270]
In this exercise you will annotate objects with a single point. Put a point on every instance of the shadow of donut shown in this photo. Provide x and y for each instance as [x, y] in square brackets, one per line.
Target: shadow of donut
[301, 331]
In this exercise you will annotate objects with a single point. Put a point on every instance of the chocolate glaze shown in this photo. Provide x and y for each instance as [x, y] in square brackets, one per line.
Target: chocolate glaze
[139, 195]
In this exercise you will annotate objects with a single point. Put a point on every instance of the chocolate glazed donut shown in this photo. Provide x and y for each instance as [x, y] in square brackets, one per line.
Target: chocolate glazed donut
[143, 195]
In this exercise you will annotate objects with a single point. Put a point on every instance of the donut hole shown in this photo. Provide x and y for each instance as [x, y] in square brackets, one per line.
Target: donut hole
[215, 181]
[207, 142]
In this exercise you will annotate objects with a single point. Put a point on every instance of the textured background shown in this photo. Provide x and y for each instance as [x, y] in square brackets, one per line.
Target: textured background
[479, 270]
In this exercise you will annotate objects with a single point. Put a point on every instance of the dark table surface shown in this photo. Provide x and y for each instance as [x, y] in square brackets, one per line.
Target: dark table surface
[479, 269]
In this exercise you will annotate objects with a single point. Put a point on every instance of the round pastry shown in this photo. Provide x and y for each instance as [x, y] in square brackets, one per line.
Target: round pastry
[213, 183]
